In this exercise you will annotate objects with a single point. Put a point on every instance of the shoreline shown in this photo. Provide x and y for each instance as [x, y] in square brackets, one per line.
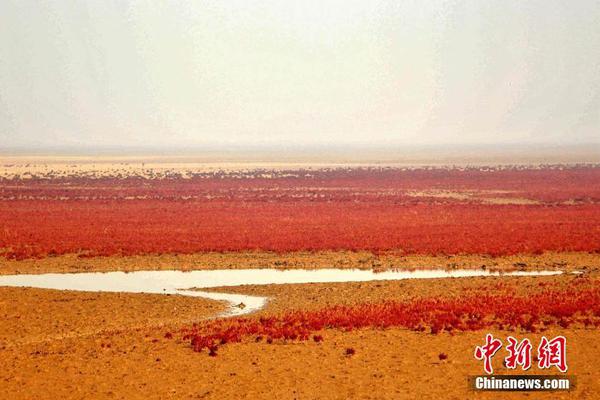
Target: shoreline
[364, 260]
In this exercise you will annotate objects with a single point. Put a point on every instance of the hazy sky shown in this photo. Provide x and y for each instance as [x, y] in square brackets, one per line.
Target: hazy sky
[106, 73]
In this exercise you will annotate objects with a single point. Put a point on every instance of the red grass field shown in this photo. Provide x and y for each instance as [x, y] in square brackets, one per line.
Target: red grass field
[498, 307]
[495, 211]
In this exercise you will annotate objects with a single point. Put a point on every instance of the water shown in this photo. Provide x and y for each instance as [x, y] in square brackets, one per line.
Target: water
[180, 282]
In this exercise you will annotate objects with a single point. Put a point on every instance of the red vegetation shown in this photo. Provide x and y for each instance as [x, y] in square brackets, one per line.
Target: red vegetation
[345, 209]
[503, 310]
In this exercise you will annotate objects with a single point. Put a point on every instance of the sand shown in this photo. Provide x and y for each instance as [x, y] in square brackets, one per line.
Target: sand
[305, 260]
[89, 345]
[391, 364]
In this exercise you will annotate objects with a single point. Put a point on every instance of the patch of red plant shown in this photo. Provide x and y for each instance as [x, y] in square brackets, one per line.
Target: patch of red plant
[342, 209]
[535, 312]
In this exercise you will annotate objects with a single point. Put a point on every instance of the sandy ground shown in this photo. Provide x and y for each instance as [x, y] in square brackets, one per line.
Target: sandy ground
[291, 158]
[32, 316]
[305, 260]
[90, 345]
[391, 364]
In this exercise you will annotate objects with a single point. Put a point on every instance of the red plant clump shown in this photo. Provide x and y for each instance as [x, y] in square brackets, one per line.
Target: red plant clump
[504, 311]
[374, 209]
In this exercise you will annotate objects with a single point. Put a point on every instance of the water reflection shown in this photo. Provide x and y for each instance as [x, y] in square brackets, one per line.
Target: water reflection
[180, 282]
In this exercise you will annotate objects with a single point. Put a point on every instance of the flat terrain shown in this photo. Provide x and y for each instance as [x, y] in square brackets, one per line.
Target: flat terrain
[495, 211]
[69, 356]
[80, 215]
[567, 261]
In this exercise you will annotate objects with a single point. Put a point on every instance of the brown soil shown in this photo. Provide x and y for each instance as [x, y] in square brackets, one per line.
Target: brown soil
[483, 196]
[391, 364]
[31, 316]
[306, 260]
[87, 345]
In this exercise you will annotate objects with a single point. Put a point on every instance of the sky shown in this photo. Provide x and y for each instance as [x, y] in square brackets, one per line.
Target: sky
[193, 74]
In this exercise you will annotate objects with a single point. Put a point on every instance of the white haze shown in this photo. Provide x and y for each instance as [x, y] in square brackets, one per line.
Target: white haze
[298, 73]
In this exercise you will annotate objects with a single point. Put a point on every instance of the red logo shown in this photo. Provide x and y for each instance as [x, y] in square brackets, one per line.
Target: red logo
[518, 354]
[487, 351]
[551, 353]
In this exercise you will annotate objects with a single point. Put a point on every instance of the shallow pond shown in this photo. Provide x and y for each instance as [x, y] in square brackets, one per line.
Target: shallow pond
[180, 282]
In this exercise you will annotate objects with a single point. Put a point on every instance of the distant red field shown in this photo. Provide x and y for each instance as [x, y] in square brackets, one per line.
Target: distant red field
[495, 211]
